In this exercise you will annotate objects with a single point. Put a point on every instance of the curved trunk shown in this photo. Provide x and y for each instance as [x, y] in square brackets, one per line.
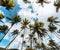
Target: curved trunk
[11, 42]
[2, 21]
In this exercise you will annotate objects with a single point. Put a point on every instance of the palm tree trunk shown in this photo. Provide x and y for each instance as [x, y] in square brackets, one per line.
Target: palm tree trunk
[6, 33]
[57, 35]
[22, 44]
[2, 21]
[57, 24]
[11, 41]
[55, 44]
[31, 43]
[57, 8]
[22, 40]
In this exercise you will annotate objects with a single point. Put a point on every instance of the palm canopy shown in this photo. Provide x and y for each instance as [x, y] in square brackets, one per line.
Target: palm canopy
[40, 1]
[15, 32]
[52, 27]
[51, 19]
[7, 3]
[24, 23]
[52, 43]
[38, 27]
[3, 28]
[15, 19]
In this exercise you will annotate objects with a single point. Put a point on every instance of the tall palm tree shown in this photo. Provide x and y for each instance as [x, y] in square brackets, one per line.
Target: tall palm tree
[15, 32]
[10, 4]
[24, 25]
[51, 26]
[13, 20]
[3, 29]
[57, 4]
[7, 3]
[4, 2]
[38, 27]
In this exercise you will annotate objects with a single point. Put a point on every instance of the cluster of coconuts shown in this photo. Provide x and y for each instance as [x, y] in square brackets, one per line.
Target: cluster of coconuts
[7, 3]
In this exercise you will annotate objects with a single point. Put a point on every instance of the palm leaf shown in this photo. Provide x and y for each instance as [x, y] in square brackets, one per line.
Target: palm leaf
[9, 18]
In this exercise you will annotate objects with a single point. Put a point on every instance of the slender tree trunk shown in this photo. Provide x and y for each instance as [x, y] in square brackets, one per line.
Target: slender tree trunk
[22, 44]
[56, 24]
[57, 35]
[11, 41]
[2, 21]
[57, 8]
[6, 33]
[55, 44]
[31, 43]
[22, 40]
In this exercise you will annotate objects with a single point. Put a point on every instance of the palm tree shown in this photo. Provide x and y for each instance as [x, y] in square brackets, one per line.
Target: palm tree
[7, 3]
[4, 2]
[57, 5]
[42, 1]
[51, 26]
[38, 28]
[24, 25]
[52, 44]
[13, 20]
[10, 4]
[15, 32]
[3, 29]
[53, 20]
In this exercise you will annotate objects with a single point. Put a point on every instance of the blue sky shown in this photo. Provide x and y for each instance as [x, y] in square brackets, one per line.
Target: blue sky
[29, 11]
